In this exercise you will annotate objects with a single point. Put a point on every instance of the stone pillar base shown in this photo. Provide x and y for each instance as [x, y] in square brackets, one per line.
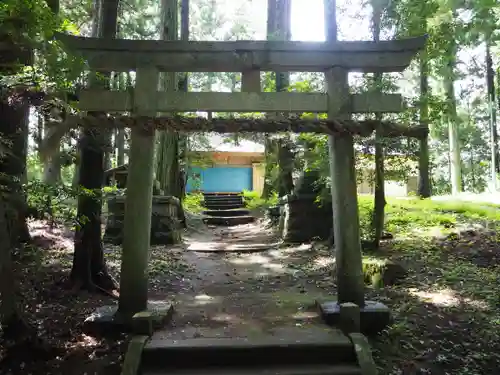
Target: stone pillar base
[375, 316]
[165, 220]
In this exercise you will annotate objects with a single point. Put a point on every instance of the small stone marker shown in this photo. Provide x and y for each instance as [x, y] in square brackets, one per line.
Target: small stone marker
[142, 323]
[350, 318]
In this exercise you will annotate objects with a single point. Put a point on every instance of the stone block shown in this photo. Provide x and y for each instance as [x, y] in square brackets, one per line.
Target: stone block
[165, 220]
[382, 272]
[349, 318]
[374, 316]
[105, 321]
[142, 323]
[303, 219]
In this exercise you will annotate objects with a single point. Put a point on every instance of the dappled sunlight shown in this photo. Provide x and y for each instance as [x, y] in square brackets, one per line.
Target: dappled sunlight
[229, 318]
[203, 246]
[205, 299]
[323, 262]
[299, 248]
[278, 254]
[57, 237]
[268, 265]
[251, 259]
[446, 298]
[305, 315]
[83, 341]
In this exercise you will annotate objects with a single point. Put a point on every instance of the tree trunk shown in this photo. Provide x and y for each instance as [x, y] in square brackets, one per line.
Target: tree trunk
[452, 118]
[281, 30]
[14, 115]
[167, 167]
[11, 322]
[424, 181]
[490, 82]
[379, 199]
[267, 189]
[183, 85]
[285, 164]
[52, 166]
[14, 122]
[120, 147]
[89, 269]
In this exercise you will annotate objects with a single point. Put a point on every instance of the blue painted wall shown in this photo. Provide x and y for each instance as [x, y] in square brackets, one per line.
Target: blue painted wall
[220, 179]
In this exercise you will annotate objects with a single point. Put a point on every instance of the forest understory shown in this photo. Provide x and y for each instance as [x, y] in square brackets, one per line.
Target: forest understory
[445, 311]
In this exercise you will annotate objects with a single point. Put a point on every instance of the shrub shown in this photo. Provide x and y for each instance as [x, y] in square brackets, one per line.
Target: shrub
[193, 202]
[254, 201]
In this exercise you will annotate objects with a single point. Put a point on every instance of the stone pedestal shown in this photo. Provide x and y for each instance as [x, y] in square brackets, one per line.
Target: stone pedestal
[105, 321]
[165, 220]
[303, 219]
[374, 316]
[302, 216]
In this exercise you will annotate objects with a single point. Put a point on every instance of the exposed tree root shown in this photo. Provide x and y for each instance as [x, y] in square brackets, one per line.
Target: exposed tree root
[102, 282]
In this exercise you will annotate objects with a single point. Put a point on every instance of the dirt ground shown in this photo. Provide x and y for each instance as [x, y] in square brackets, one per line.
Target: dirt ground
[240, 281]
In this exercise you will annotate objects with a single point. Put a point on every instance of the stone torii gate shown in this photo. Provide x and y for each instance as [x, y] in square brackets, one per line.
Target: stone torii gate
[336, 59]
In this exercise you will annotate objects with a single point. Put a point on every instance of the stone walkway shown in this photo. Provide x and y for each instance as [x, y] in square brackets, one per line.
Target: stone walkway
[242, 284]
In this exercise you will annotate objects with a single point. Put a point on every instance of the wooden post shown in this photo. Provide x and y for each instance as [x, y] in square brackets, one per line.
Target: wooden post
[138, 204]
[350, 287]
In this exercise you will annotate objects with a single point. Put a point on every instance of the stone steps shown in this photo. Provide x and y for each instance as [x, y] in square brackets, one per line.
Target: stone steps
[228, 220]
[228, 213]
[299, 353]
[268, 370]
[226, 210]
[222, 201]
[223, 205]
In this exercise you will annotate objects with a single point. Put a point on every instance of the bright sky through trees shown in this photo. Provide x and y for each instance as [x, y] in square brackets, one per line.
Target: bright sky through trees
[307, 19]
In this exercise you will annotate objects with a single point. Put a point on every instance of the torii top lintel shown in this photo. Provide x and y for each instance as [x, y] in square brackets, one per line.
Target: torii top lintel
[239, 56]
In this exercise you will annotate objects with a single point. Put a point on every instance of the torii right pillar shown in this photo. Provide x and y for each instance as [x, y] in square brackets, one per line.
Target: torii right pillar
[374, 316]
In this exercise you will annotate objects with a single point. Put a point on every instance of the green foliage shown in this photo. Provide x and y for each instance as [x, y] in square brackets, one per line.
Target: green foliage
[193, 202]
[31, 25]
[404, 215]
[253, 201]
[55, 203]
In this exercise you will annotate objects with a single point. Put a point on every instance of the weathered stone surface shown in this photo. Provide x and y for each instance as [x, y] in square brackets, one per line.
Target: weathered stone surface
[349, 317]
[165, 220]
[292, 347]
[229, 220]
[132, 362]
[104, 319]
[375, 316]
[382, 272]
[303, 219]
[364, 354]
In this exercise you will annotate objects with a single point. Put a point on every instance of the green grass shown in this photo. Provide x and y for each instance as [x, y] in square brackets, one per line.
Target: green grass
[446, 316]
[193, 202]
[253, 200]
[449, 301]
[403, 215]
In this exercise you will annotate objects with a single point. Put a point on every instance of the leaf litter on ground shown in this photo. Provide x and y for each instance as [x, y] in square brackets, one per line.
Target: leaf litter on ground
[446, 311]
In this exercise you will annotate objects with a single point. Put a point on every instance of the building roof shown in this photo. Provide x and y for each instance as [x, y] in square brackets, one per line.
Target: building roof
[223, 144]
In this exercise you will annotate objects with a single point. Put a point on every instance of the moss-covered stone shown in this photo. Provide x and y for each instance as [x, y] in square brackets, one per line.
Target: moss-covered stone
[165, 220]
[382, 272]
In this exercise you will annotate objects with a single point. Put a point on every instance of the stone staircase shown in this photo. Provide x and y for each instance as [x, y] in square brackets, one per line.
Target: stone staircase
[301, 352]
[226, 209]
